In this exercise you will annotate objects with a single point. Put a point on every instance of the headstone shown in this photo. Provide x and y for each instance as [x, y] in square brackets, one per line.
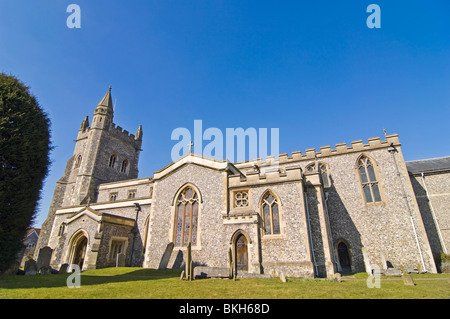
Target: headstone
[445, 267]
[411, 270]
[367, 261]
[166, 256]
[408, 280]
[182, 275]
[63, 268]
[189, 263]
[45, 270]
[44, 257]
[211, 272]
[230, 262]
[120, 260]
[383, 262]
[393, 272]
[30, 267]
[282, 277]
[337, 277]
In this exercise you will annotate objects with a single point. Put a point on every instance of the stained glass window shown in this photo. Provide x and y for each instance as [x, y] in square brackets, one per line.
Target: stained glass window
[271, 215]
[368, 180]
[187, 218]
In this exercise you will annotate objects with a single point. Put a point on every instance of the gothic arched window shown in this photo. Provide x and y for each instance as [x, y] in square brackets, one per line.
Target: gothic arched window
[112, 160]
[270, 215]
[124, 166]
[369, 181]
[323, 170]
[186, 217]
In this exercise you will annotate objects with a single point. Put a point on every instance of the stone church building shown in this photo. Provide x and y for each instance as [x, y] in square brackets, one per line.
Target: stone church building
[342, 209]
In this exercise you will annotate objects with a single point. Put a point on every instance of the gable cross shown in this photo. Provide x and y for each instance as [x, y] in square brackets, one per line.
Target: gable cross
[190, 146]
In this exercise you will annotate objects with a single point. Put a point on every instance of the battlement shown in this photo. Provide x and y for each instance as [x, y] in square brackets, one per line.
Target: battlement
[270, 176]
[324, 151]
[121, 133]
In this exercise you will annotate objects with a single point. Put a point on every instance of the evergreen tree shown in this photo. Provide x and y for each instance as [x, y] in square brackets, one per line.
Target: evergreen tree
[24, 162]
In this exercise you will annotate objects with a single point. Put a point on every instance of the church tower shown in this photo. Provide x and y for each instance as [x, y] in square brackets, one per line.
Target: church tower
[103, 153]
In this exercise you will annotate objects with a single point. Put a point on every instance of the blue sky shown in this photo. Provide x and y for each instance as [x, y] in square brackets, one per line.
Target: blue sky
[313, 69]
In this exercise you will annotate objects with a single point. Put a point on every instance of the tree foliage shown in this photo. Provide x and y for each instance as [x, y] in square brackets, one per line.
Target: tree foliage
[24, 162]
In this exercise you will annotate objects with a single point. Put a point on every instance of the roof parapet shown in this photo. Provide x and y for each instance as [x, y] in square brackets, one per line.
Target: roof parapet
[327, 150]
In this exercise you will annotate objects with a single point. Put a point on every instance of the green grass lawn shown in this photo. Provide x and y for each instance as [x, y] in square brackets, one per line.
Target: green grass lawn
[138, 283]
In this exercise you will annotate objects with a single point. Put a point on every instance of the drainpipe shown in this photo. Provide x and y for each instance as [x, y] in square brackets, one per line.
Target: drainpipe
[433, 214]
[393, 150]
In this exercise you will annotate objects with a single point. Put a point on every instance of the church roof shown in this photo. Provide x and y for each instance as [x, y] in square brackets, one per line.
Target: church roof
[191, 158]
[429, 165]
[107, 100]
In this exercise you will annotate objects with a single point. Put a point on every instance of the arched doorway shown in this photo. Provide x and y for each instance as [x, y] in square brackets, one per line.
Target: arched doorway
[80, 252]
[241, 253]
[78, 249]
[344, 257]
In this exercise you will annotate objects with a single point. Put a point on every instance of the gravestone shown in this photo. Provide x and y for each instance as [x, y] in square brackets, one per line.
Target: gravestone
[367, 261]
[337, 277]
[282, 277]
[189, 263]
[166, 256]
[63, 268]
[45, 270]
[211, 272]
[120, 260]
[393, 272]
[383, 262]
[408, 280]
[230, 262]
[30, 267]
[44, 257]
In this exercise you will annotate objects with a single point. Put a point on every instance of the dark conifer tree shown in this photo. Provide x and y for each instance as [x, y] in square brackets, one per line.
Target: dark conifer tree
[24, 161]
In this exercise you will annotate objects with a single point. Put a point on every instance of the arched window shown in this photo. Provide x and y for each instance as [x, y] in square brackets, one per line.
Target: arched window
[369, 181]
[78, 161]
[323, 170]
[310, 168]
[113, 160]
[186, 217]
[344, 257]
[124, 166]
[271, 216]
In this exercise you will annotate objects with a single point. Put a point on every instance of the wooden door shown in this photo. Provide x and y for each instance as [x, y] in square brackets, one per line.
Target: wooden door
[241, 253]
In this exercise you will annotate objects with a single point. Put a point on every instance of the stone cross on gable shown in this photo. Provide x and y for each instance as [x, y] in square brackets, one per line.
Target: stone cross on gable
[190, 146]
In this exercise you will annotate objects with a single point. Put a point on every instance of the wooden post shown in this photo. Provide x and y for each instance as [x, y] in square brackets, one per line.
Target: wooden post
[230, 259]
[189, 263]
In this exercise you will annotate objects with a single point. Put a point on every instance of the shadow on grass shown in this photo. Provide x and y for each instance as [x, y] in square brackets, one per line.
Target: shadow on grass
[90, 277]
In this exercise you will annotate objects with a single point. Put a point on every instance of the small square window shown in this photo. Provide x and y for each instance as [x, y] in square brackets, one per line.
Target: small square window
[241, 199]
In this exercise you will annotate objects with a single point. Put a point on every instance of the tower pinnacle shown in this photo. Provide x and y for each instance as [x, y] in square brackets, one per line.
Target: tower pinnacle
[107, 100]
